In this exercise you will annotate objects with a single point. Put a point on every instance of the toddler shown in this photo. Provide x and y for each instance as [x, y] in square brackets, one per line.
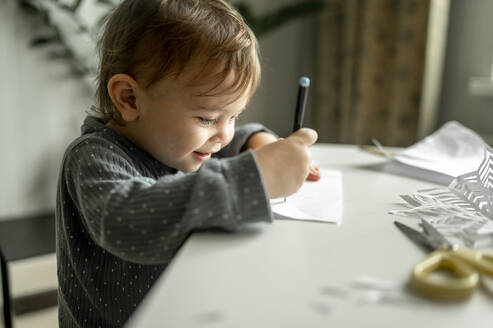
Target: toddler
[161, 158]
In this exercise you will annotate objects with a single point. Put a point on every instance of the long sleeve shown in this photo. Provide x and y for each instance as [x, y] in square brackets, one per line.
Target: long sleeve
[143, 219]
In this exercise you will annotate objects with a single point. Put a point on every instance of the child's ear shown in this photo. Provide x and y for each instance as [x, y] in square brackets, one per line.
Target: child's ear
[122, 89]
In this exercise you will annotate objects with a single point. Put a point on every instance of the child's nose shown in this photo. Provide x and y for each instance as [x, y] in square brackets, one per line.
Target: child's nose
[222, 135]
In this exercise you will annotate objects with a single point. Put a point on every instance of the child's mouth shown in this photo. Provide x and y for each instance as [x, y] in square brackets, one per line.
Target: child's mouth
[202, 156]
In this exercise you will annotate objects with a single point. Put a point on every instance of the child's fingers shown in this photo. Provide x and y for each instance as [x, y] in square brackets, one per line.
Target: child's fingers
[307, 136]
[314, 174]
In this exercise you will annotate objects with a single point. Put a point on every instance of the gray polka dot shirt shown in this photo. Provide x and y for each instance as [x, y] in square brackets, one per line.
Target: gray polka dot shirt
[122, 215]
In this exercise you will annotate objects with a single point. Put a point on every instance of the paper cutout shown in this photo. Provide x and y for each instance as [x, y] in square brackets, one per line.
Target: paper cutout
[452, 150]
[463, 212]
[314, 201]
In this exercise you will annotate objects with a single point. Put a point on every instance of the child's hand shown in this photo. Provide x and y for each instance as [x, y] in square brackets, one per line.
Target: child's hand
[285, 164]
[262, 138]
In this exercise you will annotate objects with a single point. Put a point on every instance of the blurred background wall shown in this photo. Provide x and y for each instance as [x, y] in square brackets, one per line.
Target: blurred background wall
[43, 100]
[42, 103]
[467, 88]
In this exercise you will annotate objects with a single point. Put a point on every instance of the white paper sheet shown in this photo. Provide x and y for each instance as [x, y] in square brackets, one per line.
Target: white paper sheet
[453, 150]
[315, 201]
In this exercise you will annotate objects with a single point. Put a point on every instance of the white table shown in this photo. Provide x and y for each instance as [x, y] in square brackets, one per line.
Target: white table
[273, 275]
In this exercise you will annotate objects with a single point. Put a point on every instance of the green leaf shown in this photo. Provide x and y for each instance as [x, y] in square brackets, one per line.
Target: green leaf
[245, 11]
[43, 40]
[76, 5]
[107, 2]
[285, 14]
[29, 6]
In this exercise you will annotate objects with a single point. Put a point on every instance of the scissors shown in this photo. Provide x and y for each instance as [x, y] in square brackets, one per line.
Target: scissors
[464, 264]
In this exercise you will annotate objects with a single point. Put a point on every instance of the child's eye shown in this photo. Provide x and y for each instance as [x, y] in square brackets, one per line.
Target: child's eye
[207, 121]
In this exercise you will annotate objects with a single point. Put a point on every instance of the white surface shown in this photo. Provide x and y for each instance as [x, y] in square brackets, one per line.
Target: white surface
[272, 275]
[314, 201]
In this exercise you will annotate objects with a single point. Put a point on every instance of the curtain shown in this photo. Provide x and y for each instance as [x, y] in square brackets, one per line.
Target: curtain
[370, 64]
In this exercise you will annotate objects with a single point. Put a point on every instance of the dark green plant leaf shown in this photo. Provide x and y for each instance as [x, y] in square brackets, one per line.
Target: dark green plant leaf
[260, 24]
[107, 2]
[65, 7]
[246, 12]
[28, 6]
[263, 24]
[43, 40]
[76, 5]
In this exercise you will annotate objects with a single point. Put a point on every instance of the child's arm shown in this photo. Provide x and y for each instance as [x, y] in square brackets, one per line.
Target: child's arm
[145, 220]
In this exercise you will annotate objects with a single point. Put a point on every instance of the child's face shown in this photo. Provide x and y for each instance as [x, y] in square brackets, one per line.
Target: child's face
[182, 128]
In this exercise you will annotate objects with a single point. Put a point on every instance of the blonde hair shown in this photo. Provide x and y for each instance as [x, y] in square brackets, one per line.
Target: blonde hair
[153, 39]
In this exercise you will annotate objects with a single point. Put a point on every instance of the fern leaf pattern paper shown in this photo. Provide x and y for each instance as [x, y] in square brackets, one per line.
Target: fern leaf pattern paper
[463, 212]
